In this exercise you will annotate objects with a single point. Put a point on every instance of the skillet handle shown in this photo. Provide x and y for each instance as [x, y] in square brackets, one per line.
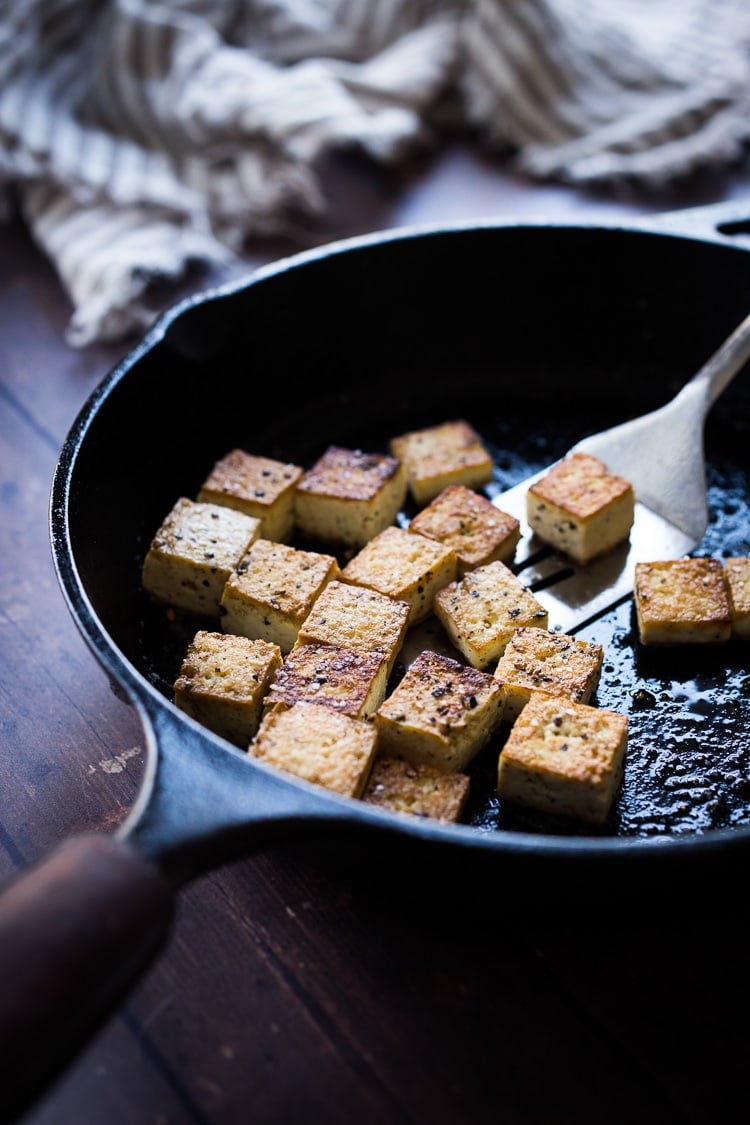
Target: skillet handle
[717, 222]
[76, 932]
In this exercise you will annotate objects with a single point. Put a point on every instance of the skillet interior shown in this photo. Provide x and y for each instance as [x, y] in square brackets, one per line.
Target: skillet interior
[537, 335]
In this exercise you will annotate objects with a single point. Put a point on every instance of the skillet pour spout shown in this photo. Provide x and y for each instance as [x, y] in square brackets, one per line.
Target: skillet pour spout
[388, 332]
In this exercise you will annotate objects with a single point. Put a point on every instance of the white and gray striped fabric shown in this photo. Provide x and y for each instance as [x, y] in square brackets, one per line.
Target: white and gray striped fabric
[137, 136]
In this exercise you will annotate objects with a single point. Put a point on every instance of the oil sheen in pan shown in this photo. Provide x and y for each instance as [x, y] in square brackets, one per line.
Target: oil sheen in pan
[688, 707]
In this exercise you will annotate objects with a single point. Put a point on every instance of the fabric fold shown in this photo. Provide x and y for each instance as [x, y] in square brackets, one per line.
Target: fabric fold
[139, 136]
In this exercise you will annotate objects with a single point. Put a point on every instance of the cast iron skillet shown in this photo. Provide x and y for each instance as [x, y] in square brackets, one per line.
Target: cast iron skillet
[536, 333]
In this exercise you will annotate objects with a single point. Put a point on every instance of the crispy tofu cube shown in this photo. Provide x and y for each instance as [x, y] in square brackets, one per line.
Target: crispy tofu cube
[257, 486]
[272, 589]
[346, 679]
[403, 565]
[580, 507]
[193, 553]
[437, 456]
[441, 713]
[348, 496]
[318, 744]
[554, 663]
[682, 601]
[564, 758]
[399, 786]
[222, 682]
[469, 523]
[737, 575]
[357, 617]
[481, 611]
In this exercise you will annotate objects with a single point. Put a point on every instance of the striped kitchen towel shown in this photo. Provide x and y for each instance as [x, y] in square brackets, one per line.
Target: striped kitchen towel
[137, 136]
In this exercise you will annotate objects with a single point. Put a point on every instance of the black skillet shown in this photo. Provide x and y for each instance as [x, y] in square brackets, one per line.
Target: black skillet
[536, 333]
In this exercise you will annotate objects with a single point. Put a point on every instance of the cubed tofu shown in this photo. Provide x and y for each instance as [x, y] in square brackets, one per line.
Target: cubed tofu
[318, 744]
[737, 575]
[557, 664]
[259, 487]
[437, 456]
[481, 611]
[348, 496]
[564, 758]
[580, 507]
[346, 679]
[403, 565]
[399, 786]
[222, 682]
[469, 523]
[272, 589]
[682, 601]
[193, 553]
[357, 617]
[441, 713]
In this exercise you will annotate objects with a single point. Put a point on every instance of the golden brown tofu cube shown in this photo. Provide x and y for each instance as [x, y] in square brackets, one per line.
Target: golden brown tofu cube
[258, 486]
[348, 496]
[399, 786]
[469, 523]
[346, 679]
[737, 575]
[436, 456]
[682, 601]
[357, 617]
[537, 660]
[272, 589]
[405, 566]
[318, 744]
[481, 611]
[222, 682]
[441, 713]
[580, 507]
[564, 758]
[193, 553]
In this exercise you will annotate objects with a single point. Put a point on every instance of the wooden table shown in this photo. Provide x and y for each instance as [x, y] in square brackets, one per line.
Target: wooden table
[289, 991]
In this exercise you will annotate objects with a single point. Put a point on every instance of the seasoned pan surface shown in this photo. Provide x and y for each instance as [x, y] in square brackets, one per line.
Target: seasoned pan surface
[536, 335]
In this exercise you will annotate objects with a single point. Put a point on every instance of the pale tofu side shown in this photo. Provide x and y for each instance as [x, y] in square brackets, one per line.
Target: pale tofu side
[441, 714]
[193, 553]
[356, 617]
[436, 456]
[222, 683]
[682, 601]
[318, 744]
[399, 786]
[580, 507]
[348, 496]
[405, 566]
[272, 589]
[481, 611]
[564, 758]
[346, 679]
[258, 486]
[469, 523]
[737, 575]
[555, 663]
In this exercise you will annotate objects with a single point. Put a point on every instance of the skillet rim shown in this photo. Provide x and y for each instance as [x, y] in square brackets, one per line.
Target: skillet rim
[145, 697]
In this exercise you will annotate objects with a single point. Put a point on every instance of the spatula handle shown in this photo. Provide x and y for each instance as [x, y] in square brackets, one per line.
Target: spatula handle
[718, 371]
[76, 931]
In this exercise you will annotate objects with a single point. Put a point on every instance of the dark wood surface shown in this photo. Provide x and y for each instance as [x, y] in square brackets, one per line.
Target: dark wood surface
[291, 990]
